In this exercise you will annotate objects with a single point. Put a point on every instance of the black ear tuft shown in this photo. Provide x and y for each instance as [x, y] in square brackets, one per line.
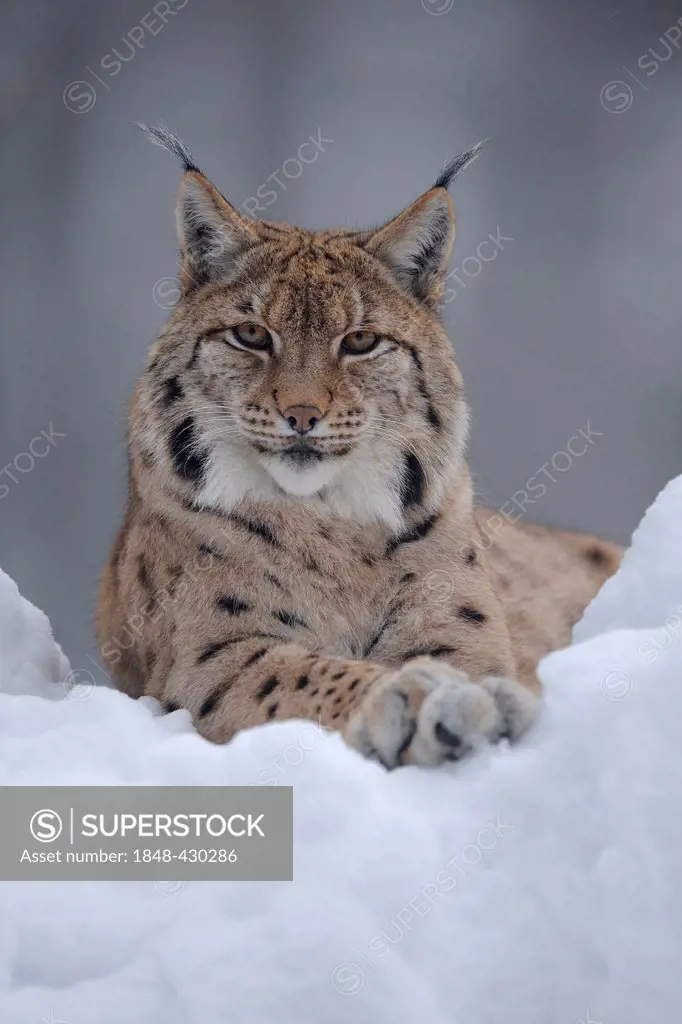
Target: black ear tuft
[457, 164]
[161, 135]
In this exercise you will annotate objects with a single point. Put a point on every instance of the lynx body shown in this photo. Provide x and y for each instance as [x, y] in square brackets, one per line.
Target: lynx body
[300, 537]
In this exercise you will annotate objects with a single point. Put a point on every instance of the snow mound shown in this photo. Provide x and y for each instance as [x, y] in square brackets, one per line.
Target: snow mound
[649, 575]
[30, 660]
[528, 886]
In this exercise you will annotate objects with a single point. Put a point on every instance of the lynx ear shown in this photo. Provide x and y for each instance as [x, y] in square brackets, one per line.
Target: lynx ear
[416, 244]
[212, 233]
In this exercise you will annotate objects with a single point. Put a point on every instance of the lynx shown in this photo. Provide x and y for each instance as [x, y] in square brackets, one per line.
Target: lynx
[300, 538]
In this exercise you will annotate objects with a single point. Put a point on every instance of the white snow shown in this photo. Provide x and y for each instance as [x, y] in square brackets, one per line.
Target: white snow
[529, 886]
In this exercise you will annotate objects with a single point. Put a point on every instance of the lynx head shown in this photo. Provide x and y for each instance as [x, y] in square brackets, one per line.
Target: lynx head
[308, 366]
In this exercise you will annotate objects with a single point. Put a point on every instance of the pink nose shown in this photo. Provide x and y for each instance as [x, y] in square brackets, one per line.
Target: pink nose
[302, 417]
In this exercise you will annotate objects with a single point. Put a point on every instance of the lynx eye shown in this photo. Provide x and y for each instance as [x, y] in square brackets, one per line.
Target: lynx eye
[253, 336]
[358, 342]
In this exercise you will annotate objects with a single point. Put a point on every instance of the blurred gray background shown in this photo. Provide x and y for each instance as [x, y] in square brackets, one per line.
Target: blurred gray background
[575, 320]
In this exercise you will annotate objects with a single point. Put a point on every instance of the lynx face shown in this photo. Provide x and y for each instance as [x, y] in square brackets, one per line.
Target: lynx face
[307, 365]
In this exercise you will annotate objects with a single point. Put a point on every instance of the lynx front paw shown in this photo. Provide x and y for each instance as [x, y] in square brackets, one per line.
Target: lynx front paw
[428, 712]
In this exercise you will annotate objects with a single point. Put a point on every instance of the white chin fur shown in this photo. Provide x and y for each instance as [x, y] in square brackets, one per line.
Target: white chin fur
[301, 481]
[363, 487]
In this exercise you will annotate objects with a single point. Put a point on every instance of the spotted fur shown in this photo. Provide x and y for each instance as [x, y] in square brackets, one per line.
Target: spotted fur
[341, 575]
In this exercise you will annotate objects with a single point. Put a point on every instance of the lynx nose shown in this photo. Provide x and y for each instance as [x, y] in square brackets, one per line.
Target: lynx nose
[302, 417]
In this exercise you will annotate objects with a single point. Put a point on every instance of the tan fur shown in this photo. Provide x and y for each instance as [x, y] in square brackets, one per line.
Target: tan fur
[228, 594]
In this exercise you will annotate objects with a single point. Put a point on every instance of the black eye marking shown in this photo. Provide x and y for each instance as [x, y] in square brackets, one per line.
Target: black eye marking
[414, 481]
[465, 611]
[470, 556]
[187, 461]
